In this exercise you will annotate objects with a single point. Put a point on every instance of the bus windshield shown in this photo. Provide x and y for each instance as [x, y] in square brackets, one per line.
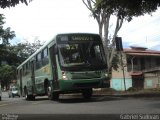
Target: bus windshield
[88, 55]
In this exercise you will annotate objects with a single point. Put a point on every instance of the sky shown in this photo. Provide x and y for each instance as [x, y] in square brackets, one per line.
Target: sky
[43, 19]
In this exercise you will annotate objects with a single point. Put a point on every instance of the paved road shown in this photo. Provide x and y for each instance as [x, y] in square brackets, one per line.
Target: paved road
[73, 105]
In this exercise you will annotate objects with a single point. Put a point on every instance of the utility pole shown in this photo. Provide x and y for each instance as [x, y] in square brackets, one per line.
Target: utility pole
[119, 47]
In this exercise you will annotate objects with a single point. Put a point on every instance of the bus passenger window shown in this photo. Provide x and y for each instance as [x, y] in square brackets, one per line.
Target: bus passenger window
[17, 74]
[45, 56]
[27, 68]
[38, 61]
[24, 70]
[45, 52]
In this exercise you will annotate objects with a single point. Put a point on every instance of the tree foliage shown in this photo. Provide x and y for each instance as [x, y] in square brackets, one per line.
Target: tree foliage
[8, 55]
[128, 8]
[5, 34]
[103, 10]
[13, 55]
[26, 49]
[12, 3]
[7, 73]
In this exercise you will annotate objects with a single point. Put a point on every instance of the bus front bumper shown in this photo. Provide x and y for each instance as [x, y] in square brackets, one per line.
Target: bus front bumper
[83, 84]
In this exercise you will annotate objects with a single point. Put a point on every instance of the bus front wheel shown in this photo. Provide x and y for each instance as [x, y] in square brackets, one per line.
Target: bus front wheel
[87, 93]
[52, 95]
[49, 93]
[29, 97]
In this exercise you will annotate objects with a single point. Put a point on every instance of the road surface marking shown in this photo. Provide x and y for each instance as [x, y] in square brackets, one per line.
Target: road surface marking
[1, 105]
[35, 103]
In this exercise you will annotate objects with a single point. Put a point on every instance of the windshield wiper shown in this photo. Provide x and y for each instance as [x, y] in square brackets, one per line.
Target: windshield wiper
[88, 64]
[89, 47]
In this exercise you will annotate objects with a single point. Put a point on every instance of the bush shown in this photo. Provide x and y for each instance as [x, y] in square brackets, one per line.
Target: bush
[132, 89]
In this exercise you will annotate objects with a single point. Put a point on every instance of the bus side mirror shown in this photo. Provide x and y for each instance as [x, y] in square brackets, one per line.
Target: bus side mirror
[55, 49]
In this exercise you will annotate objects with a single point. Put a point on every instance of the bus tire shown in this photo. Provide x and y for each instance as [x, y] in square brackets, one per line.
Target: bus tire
[32, 97]
[46, 85]
[52, 95]
[28, 97]
[87, 93]
[26, 93]
[55, 95]
[49, 93]
[12, 95]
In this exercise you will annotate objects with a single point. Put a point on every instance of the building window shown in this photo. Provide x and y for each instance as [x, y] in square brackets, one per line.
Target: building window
[149, 83]
[157, 61]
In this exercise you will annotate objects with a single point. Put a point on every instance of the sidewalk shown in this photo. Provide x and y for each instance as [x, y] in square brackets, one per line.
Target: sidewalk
[137, 93]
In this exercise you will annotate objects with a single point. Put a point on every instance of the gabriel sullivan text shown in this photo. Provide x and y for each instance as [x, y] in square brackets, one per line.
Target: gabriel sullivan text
[140, 116]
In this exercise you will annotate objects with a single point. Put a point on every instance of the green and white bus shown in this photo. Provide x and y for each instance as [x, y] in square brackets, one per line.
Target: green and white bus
[0, 92]
[69, 63]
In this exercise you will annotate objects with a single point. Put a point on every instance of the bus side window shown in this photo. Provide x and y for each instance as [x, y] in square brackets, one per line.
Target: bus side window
[23, 70]
[38, 61]
[27, 68]
[45, 59]
[18, 74]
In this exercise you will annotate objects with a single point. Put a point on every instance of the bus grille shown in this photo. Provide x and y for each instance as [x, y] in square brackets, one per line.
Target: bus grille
[85, 75]
[83, 85]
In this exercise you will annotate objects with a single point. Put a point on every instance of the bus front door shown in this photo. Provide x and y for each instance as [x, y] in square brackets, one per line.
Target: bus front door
[33, 77]
[54, 68]
[21, 85]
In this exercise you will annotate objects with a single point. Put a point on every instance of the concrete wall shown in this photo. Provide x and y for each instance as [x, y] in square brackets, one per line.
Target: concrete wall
[118, 83]
[152, 80]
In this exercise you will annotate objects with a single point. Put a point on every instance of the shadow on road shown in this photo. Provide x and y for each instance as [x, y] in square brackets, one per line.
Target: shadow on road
[41, 99]
[154, 105]
[69, 117]
[78, 99]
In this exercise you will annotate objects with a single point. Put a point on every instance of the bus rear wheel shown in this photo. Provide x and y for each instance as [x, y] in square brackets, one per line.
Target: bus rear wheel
[87, 93]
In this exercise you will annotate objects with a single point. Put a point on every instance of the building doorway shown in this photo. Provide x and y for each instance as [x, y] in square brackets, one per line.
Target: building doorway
[138, 81]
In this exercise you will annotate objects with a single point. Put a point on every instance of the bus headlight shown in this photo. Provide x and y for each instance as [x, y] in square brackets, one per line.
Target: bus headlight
[106, 74]
[64, 76]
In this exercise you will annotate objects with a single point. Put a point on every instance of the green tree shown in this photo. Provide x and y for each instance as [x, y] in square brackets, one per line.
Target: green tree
[12, 3]
[123, 10]
[26, 49]
[7, 73]
[13, 55]
[5, 34]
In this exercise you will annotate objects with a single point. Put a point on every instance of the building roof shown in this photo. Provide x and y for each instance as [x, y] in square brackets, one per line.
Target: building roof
[140, 51]
[136, 73]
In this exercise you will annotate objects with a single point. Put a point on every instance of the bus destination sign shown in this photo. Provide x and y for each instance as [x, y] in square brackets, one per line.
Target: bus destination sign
[77, 38]
[82, 38]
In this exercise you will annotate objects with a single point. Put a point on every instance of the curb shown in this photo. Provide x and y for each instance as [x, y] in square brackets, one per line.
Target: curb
[128, 94]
